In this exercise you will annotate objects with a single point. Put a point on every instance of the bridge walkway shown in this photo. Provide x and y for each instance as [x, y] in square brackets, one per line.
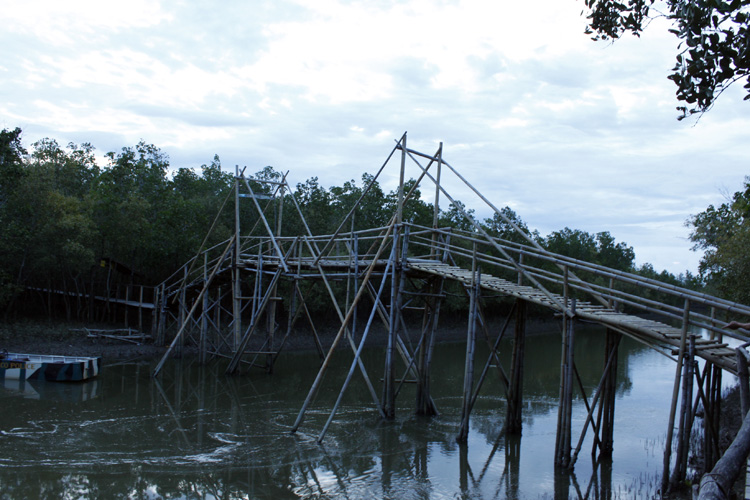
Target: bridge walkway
[651, 332]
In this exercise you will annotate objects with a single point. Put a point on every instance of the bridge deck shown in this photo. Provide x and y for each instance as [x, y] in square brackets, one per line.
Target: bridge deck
[649, 331]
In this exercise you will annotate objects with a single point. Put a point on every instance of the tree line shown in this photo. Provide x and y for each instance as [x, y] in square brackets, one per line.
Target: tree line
[62, 215]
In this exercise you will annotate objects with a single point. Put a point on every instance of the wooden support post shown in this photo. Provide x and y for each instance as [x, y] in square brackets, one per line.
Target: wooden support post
[125, 306]
[236, 284]
[155, 314]
[436, 202]
[389, 377]
[685, 422]
[162, 317]
[217, 313]
[606, 418]
[713, 407]
[463, 431]
[140, 310]
[675, 394]
[743, 380]
[424, 403]
[202, 354]
[183, 313]
[271, 328]
[514, 421]
[564, 431]
[356, 280]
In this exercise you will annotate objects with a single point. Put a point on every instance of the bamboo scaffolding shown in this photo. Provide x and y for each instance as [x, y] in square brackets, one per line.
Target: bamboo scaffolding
[417, 269]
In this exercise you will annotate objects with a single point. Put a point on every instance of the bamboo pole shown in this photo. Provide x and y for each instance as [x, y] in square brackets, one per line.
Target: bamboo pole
[357, 356]
[236, 281]
[192, 310]
[590, 409]
[436, 202]
[319, 377]
[684, 424]
[513, 419]
[202, 355]
[262, 215]
[606, 418]
[389, 371]
[463, 431]
[493, 357]
[234, 363]
[675, 394]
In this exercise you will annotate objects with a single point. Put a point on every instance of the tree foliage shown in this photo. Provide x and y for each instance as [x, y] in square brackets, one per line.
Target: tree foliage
[723, 233]
[599, 248]
[62, 214]
[714, 50]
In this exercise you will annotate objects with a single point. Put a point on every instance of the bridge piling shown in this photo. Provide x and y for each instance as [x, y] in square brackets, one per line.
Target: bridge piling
[604, 441]
[685, 421]
[565, 408]
[468, 388]
[514, 417]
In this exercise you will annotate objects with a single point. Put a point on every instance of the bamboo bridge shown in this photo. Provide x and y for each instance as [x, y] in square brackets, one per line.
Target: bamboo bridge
[229, 299]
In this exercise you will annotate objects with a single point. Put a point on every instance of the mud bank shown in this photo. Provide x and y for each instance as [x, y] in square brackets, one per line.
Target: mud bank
[68, 339]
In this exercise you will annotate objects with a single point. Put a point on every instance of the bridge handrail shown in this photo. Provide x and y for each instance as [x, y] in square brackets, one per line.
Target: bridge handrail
[604, 271]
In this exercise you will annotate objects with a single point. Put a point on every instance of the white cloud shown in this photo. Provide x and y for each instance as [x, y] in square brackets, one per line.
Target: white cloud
[65, 23]
[566, 131]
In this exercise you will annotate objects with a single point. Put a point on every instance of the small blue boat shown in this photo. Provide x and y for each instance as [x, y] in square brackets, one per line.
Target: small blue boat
[48, 367]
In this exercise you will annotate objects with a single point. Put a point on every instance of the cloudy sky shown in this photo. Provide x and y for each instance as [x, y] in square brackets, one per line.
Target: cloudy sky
[565, 131]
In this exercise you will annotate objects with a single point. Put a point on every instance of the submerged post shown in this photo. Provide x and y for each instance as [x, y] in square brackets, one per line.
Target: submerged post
[563, 441]
[675, 394]
[389, 382]
[514, 421]
[463, 432]
[606, 417]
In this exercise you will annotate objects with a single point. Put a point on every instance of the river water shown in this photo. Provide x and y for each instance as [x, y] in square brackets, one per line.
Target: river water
[196, 433]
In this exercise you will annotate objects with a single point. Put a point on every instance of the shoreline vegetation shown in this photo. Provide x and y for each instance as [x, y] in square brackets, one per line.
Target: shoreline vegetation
[138, 219]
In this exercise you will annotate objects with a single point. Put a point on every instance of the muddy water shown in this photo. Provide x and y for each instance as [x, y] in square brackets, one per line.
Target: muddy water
[195, 433]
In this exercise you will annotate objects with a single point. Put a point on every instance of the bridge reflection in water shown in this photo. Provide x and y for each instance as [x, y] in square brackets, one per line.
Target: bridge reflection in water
[195, 433]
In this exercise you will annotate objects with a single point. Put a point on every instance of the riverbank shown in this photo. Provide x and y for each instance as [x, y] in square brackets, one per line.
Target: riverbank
[42, 337]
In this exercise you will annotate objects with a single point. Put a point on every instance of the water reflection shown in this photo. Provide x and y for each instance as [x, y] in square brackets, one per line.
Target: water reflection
[195, 433]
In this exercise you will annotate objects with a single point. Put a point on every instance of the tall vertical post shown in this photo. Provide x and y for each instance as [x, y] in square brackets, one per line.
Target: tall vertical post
[183, 311]
[202, 355]
[155, 315]
[389, 383]
[713, 411]
[400, 207]
[514, 421]
[606, 418]
[160, 340]
[424, 360]
[563, 441]
[436, 203]
[675, 394]
[463, 431]
[686, 417]
[236, 288]
[271, 316]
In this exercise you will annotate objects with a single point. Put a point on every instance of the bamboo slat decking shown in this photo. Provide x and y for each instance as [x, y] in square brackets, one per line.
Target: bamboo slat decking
[651, 332]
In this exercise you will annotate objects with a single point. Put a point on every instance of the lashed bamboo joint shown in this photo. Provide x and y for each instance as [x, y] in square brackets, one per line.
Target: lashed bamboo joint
[402, 266]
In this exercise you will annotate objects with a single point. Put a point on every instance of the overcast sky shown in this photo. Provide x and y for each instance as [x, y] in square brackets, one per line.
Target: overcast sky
[565, 131]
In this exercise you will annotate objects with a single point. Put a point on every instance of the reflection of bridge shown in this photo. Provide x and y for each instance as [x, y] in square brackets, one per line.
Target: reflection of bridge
[400, 270]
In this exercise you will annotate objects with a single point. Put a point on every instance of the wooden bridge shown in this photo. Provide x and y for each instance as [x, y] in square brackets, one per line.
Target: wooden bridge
[229, 298]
